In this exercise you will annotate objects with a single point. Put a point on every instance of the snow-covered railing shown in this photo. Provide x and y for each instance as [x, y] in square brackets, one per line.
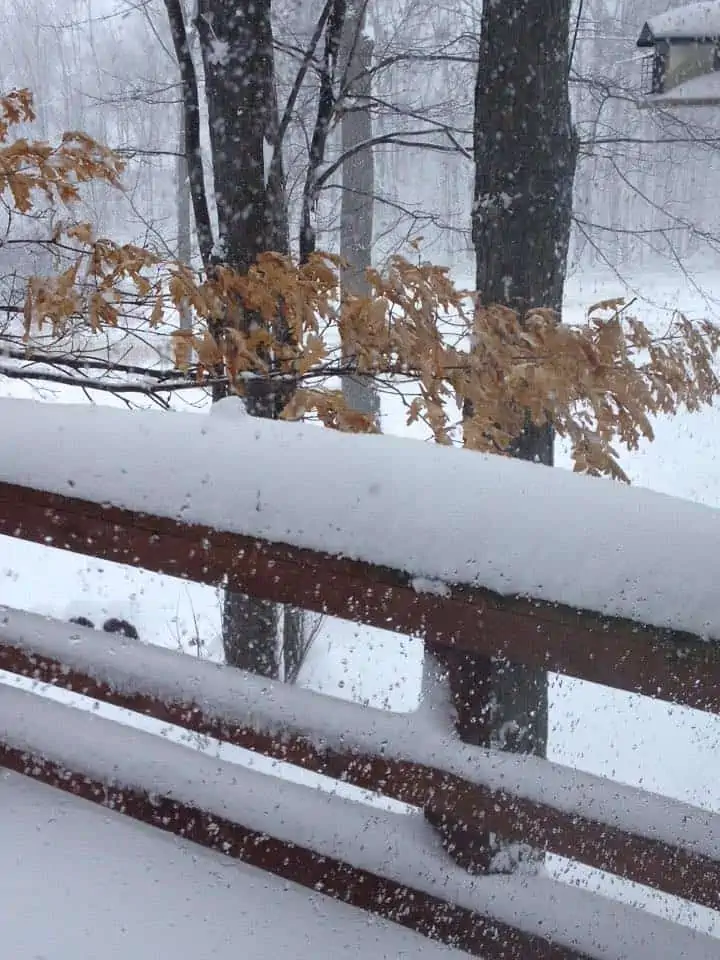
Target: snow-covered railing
[541, 567]
[387, 863]
[483, 554]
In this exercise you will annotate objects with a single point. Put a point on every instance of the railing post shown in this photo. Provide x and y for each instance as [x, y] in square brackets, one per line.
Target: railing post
[494, 703]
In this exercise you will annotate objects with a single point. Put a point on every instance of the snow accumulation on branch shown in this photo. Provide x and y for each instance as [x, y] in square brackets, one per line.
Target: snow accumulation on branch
[277, 709]
[441, 515]
[394, 846]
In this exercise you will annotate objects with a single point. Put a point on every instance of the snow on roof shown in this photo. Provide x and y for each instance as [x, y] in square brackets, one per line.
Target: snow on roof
[424, 737]
[692, 21]
[395, 846]
[125, 890]
[435, 512]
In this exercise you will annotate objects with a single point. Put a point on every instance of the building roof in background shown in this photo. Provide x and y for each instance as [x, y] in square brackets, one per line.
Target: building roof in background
[694, 21]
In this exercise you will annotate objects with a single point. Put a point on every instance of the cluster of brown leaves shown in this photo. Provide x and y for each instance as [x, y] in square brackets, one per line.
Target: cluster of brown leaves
[599, 383]
[100, 277]
[32, 167]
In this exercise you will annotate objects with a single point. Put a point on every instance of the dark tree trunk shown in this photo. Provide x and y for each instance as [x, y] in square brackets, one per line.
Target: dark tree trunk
[524, 167]
[191, 128]
[237, 49]
[358, 178]
[184, 218]
[250, 631]
[525, 152]
[236, 44]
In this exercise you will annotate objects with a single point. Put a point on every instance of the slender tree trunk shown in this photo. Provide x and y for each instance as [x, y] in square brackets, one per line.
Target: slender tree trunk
[356, 213]
[183, 204]
[184, 227]
[525, 154]
[191, 129]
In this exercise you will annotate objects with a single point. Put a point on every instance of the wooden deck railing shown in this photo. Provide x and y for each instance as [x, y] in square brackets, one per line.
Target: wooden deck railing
[464, 791]
[674, 666]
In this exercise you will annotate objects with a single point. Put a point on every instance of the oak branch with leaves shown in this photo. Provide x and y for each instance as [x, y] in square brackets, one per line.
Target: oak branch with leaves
[285, 325]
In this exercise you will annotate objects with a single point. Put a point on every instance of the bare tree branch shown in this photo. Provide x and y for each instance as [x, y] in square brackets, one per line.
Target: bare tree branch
[118, 388]
[191, 105]
[75, 361]
[388, 138]
[297, 85]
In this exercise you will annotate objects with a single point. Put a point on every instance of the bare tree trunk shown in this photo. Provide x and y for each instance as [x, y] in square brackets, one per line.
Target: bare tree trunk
[191, 129]
[183, 203]
[290, 621]
[331, 22]
[356, 213]
[525, 154]
[184, 228]
[246, 136]
[237, 49]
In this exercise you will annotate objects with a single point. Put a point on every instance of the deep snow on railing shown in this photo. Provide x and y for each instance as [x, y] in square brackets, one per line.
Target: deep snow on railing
[464, 793]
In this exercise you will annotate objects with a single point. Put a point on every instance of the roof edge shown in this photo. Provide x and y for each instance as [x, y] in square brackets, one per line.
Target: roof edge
[647, 37]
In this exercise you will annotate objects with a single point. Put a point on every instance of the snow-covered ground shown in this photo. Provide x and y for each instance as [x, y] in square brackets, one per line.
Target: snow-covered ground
[633, 740]
[135, 892]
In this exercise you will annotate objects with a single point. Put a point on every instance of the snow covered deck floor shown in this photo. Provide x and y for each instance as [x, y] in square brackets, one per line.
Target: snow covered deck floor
[119, 762]
[82, 883]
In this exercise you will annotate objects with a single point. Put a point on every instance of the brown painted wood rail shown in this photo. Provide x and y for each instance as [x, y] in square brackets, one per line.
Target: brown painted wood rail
[676, 667]
[670, 665]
